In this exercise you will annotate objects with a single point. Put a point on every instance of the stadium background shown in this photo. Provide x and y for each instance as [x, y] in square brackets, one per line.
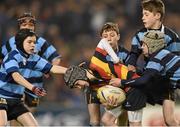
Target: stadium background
[72, 27]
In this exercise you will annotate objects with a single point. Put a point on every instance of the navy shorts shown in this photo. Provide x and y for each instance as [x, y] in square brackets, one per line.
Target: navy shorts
[30, 100]
[91, 97]
[135, 100]
[158, 91]
[13, 107]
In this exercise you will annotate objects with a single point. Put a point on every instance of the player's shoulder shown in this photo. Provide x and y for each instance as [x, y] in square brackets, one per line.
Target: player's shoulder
[13, 54]
[11, 40]
[142, 30]
[168, 31]
[40, 39]
[122, 49]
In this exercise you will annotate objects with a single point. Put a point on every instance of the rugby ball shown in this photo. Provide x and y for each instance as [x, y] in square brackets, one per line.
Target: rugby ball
[108, 91]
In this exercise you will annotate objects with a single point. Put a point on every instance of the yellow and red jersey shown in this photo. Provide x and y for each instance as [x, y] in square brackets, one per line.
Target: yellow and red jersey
[107, 70]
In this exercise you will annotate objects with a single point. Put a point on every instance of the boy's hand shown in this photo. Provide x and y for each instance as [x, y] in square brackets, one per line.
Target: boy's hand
[110, 103]
[115, 82]
[131, 68]
[81, 84]
[39, 91]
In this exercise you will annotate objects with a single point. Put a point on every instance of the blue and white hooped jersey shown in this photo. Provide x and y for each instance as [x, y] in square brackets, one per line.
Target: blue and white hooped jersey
[43, 49]
[15, 61]
[171, 38]
[167, 63]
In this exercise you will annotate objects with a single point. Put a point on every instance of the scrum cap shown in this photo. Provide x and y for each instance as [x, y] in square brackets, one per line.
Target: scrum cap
[154, 40]
[26, 17]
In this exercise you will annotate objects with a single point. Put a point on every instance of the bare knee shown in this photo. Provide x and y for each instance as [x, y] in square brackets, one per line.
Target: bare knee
[171, 121]
[135, 123]
[108, 121]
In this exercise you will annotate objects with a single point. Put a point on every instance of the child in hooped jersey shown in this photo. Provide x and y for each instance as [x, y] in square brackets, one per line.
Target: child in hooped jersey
[161, 63]
[12, 83]
[153, 13]
[43, 48]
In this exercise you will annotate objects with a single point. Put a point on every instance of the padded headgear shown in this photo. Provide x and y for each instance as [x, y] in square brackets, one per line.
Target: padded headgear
[21, 36]
[26, 16]
[154, 40]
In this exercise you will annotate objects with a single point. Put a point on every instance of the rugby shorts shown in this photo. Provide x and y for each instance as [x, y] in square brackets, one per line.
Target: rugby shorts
[135, 116]
[91, 97]
[30, 100]
[135, 100]
[13, 107]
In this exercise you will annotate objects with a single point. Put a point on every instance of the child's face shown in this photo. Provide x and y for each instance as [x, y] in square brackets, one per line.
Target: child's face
[27, 24]
[112, 38]
[145, 49]
[29, 44]
[150, 19]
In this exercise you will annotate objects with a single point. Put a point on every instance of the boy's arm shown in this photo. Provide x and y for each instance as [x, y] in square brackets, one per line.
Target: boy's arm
[58, 69]
[107, 47]
[22, 81]
[135, 52]
[48, 51]
[137, 82]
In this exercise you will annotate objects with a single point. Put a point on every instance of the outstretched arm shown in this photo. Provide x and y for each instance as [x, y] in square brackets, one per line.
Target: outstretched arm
[137, 82]
[22, 81]
[58, 69]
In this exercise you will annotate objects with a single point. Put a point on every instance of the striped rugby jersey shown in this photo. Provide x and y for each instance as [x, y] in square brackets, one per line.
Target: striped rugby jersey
[102, 66]
[167, 64]
[15, 61]
[171, 38]
[43, 49]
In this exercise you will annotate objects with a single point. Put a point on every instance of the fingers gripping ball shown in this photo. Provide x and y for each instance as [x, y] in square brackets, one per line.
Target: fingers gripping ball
[73, 74]
[105, 92]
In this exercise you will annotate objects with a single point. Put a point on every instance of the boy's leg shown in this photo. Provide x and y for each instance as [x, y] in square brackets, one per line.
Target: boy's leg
[94, 114]
[115, 117]
[31, 103]
[108, 119]
[169, 113]
[3, 112]
[122, 120]
[135, 117]
[93, 108]
[27, 119]
[14, 123]
[3, 117]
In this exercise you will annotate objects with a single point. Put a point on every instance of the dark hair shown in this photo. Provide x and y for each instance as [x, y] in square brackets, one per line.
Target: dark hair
[109, 26]
[25, 16]
[21, 36]
[155, 6]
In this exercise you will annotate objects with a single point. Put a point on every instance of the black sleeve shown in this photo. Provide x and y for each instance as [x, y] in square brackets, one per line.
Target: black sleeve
[148, 76]
[132, 59]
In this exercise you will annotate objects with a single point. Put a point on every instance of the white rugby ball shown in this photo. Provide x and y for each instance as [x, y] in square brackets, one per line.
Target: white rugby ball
[110, 91]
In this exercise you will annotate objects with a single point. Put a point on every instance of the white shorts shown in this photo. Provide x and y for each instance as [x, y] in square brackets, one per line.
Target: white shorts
[135, 116]
[115, 111]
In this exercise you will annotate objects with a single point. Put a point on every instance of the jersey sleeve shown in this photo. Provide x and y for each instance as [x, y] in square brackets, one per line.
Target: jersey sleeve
[43, 65]
[103, 44]
[135, 51]
[173, 41]
[10, 64]
[47, 50]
